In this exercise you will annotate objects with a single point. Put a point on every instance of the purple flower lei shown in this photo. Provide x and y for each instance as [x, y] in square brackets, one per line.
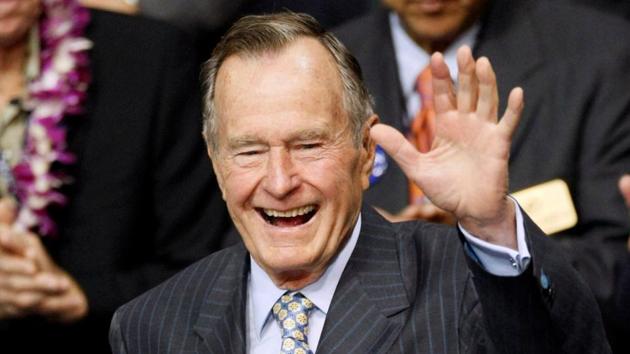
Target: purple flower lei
[59, 91]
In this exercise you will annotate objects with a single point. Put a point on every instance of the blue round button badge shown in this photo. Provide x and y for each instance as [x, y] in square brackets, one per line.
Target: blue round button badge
[380, 165]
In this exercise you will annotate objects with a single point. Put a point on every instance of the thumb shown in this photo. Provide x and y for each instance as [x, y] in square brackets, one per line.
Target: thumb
[399, 148]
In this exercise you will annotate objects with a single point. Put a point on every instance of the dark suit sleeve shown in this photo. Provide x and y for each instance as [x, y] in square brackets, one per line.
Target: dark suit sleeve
[547, 309]
[597, 245]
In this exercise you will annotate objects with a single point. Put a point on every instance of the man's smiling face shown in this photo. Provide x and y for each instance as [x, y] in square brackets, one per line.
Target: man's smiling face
[289, 169]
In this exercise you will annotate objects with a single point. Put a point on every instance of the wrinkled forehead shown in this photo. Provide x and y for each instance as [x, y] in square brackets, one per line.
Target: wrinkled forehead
[303, 73]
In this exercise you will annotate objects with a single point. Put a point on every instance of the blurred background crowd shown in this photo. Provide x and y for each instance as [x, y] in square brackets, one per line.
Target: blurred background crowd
[107, 189]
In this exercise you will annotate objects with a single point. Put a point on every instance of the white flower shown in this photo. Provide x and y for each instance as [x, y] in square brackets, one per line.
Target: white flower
[36, 202]
[42, 184]
[50, 80]
[38, 132]
[43, 146]
[46, 109]
[63, 61]
[39, 166]
[79, 44]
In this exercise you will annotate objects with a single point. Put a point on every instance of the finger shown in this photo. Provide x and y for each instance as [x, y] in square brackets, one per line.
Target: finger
[488, 100]
[8, 211]
[443, 92]
[16, 304]
[624, 188]
[512, 114]
[70, 306]
[44, 283]
[36, 251]
[27, 245]
[396, 146]
[467, 81]
[11, 264]
[13, 242]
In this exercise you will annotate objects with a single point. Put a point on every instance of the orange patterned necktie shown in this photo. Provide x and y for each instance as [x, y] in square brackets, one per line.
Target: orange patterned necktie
[423, 126]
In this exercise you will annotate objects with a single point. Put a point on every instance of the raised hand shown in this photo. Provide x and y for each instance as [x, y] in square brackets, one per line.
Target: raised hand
[466, 170]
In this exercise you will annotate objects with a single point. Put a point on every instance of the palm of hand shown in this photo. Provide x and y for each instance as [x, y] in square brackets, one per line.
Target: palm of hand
[467, 165]
[465, 172]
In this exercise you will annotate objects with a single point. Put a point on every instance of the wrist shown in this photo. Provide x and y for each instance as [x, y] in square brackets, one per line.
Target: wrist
[499, 230]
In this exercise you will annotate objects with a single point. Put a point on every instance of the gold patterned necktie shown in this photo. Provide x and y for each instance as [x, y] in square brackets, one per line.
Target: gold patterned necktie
[423, 126]
[291, 312]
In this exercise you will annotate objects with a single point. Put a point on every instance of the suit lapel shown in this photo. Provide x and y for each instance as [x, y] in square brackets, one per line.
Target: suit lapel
[368, 309]
[221, 320]
[509, 39]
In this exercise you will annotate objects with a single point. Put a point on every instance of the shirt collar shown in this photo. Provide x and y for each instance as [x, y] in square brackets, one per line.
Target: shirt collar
[412, 59]
[264, 292]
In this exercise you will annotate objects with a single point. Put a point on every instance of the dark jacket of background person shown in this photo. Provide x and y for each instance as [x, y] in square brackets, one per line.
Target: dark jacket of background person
[144, 203]
[623, 307]
[574, 68]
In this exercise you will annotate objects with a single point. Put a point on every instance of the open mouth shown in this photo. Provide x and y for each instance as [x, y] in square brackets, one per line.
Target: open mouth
[288, 218]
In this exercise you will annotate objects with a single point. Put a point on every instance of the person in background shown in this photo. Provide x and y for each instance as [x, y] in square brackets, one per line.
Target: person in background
[574, 139]
[616, 7]
[291, 133]
[105, 185]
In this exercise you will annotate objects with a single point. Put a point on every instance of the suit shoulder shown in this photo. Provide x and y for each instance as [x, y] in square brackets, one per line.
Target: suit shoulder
[185, 291]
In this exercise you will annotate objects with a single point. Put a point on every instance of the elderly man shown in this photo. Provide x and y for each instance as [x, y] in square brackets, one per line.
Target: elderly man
[142, 202]
[291, 134]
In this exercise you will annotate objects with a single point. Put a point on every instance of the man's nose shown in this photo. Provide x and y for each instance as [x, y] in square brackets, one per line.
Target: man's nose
[281, 178]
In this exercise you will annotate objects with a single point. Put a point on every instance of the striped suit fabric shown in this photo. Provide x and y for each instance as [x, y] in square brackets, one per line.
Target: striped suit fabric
[407, 288]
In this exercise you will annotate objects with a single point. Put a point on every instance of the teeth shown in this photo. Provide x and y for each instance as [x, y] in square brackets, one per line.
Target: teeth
[289, 213]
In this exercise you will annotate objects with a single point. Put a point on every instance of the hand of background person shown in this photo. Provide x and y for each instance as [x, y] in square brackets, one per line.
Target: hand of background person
[30, 282]
[426, 212]
[466, 170]
[624, 188]
[111, 5]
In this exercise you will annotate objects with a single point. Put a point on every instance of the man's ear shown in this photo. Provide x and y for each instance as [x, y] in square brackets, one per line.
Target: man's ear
[217, 170]
[368, 150]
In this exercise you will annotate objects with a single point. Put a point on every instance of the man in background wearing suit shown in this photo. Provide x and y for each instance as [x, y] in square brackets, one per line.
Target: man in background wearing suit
[575, 129]
[291, 134]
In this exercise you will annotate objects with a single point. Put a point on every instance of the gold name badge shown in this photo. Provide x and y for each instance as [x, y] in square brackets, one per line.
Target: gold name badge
[549, 204]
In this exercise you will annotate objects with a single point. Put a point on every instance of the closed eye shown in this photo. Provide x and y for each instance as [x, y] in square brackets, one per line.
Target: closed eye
[249, 153]
[309, 146]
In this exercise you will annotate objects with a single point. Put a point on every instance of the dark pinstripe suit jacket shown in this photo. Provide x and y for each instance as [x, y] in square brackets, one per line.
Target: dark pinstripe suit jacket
[407, 288]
